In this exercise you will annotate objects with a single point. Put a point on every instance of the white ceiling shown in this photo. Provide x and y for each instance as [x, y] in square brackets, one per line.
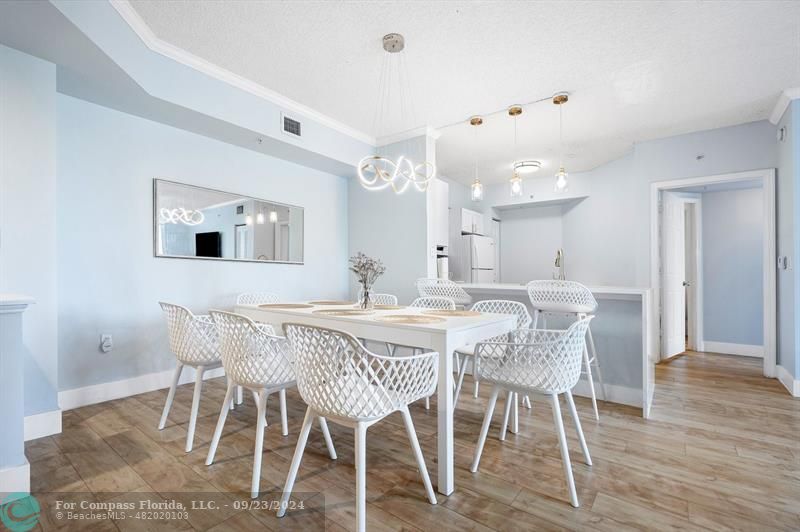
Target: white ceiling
[635, 70]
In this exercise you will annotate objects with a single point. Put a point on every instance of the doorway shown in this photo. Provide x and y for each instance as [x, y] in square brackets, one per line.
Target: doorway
[690, 313]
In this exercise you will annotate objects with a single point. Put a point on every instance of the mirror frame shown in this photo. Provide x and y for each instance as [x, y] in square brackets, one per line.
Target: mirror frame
[157, 180]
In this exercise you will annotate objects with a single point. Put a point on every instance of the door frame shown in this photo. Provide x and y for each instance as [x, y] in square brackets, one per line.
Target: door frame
[769, 274]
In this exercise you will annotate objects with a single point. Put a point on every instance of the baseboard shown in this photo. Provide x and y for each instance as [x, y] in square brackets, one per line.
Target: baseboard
[733, 349]
[108, 391]
[788, 381]
[41, 425]
[15, 479]
[615, 394]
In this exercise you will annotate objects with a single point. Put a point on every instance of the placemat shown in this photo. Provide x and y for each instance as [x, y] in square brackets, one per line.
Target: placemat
[412, 319]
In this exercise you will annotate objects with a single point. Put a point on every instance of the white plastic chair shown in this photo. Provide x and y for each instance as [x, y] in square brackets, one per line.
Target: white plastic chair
[492, 306]
[342, 381]
[256, 298]
[193, 340]
[258, 360]
[379, 299]
[537, 361]
[571, 299]
[443, 288]
[432, 303]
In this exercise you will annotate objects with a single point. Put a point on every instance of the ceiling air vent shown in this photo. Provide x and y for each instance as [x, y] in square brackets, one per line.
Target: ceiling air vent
[291, 126]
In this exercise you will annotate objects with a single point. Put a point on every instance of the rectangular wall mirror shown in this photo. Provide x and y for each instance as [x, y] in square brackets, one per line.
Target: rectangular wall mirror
[201, 223]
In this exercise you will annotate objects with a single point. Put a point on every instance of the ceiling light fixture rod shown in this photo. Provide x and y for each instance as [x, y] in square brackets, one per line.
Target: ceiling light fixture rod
[523, 105]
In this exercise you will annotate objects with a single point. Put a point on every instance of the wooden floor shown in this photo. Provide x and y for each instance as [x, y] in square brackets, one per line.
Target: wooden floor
[722, 451]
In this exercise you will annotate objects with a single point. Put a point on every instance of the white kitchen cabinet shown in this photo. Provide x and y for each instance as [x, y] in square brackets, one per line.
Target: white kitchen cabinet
[472, 222]
[439, 199]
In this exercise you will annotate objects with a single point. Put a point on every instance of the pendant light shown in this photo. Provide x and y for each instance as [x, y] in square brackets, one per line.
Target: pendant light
[561, 184]
[374, 171]
[515, 182]
[477, 187]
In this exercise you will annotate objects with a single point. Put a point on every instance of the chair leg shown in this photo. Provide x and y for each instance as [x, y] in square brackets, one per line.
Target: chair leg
[593, 354]
[227, 383]
[515, 415]
[591, 381]
[361, 476]
[223, 415]
[412, 436]
[302, 439]
[574, 413]
[284, 422]
[390, 349]
[461, 371]
[170, 395]
[475, 377]
[198, 387]
[487, 420]
[527, 402]
[562, 440]
[323, 425]
[458, 363]
[255, 481]
[428, 403]
[239, 395]
[506, 414]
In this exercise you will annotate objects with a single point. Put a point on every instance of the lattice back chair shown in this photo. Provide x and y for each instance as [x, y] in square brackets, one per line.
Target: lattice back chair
[537, 361]
[256, 298]
[571, 299]
[429, 286]
[258, 360]
[380, 299]
[194, 342]
[467, 353]
[341, 380]
[430, 303]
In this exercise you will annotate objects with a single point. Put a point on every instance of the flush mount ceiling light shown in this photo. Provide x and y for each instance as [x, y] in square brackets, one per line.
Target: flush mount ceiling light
[561, 184]
[476, 192]
[527, 167]
[374, 171]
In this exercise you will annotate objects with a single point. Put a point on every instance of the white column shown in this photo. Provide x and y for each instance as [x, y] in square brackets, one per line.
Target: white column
[14, 467]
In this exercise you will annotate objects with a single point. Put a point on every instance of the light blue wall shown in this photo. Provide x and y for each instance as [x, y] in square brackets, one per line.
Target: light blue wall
[108, 279]
[733, 240]
[28, 214]
[392, 228]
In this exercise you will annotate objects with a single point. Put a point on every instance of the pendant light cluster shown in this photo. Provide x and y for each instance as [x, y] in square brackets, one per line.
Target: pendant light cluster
[521, 167]
[374, 171]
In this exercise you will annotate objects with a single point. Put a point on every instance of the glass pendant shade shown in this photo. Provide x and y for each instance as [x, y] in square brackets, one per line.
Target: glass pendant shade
[260, 218]
[562, 185]
[477, 191]
[516, 186]
[273, 216]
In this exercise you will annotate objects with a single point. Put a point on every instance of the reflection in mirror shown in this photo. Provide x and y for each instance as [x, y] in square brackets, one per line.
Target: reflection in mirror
[199, 222]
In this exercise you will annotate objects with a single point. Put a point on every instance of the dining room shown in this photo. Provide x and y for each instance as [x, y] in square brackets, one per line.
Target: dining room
[270, 264]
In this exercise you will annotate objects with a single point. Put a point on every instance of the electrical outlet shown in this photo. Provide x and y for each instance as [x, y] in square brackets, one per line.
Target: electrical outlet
[106, 343]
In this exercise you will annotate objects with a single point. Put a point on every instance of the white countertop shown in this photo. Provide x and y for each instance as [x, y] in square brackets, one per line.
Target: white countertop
[605, 292]
[15, 299]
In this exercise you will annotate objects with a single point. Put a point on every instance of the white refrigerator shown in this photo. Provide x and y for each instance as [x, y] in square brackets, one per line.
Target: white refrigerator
[479, 259]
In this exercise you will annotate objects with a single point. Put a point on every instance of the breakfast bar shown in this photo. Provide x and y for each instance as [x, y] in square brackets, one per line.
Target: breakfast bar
[622, 333]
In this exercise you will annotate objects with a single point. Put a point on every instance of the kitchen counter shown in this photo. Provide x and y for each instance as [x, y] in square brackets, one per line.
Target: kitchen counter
[623, 335]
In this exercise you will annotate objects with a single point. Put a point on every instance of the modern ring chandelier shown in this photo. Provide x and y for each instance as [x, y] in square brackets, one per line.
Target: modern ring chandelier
[180, 215]
[376, 172]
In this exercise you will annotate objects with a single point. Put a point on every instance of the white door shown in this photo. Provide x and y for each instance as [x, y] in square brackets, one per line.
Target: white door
[673, 275]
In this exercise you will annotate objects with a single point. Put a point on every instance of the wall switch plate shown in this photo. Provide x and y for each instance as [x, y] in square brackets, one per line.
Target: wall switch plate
[106, 343]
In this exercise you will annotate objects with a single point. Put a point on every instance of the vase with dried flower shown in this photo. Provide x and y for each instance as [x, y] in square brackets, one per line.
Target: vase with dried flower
[367, 270]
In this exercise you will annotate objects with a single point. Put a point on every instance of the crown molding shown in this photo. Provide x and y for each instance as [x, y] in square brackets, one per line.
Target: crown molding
[424, 131]
[143, 31]
[783, 102]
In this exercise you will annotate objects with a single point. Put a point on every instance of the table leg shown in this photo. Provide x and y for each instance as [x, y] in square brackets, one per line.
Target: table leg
[444, 402]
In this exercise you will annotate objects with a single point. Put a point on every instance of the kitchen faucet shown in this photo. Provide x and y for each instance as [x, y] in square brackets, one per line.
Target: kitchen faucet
[558, 271]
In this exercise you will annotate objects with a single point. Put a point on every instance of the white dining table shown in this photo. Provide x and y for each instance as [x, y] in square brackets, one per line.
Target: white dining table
[443, 337]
